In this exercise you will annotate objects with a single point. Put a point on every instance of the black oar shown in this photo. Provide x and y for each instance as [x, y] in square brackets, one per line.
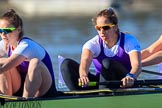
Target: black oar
[151, 72]
[137, 82]
[8, 97]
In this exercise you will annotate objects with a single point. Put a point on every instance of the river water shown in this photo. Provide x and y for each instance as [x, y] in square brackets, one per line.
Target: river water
[65, 35]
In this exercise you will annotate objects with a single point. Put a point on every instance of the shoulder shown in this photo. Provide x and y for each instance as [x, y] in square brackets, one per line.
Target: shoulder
[131, 43]
[27, 44]
[26, 47]
[94, 40]
[24, 43]
[28, 41]
[129, 37]
[93, 45]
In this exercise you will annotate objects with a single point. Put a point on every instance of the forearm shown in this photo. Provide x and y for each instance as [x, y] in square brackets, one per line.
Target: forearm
[153, 59]
[85, 62]
[145, 53]
[136, 65]
[84, 67]
[136, 70]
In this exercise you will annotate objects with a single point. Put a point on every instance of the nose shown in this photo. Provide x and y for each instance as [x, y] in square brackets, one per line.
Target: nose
[102, 30]
[3, 34]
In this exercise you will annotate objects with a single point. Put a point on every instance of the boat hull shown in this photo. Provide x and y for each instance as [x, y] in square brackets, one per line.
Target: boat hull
[126, 101]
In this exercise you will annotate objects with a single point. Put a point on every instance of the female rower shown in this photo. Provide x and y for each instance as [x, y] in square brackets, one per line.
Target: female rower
[25, 66]
[115, 55]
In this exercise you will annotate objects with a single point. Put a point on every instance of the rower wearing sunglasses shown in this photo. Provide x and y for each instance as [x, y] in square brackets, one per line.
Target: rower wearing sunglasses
[115, 55]
[25, 66]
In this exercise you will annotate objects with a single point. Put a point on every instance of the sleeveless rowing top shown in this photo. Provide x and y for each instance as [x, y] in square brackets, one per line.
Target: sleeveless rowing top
[121, 56]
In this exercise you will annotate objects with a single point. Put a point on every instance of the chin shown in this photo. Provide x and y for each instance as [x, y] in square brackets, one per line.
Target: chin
[5, 40]
[103, 38]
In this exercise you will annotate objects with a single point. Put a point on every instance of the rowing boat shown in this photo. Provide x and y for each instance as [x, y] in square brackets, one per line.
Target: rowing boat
[148, 95]
[143, 97]
[126, 101]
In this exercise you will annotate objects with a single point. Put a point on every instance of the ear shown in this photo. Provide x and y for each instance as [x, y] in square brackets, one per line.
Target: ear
[19, 29]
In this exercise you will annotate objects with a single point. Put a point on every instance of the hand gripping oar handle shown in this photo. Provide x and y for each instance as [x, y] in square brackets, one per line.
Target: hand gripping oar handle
[136, 82]
[103, 83]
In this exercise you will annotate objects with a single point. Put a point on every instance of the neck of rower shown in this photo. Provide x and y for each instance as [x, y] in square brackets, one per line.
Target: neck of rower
[111, 42]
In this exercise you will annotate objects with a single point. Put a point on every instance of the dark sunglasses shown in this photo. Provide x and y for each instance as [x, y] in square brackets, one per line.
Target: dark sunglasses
[104, 27]
[7, 30]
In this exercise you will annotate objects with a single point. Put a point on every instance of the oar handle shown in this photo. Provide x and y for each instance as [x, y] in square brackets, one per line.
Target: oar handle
[90, 84]
[103, 83]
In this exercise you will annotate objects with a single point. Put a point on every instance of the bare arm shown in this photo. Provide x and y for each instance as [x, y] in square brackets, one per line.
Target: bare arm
[135, 59]
[86, 60]
[155, 47]
[11, 62]
[152, 55]
[155, 58]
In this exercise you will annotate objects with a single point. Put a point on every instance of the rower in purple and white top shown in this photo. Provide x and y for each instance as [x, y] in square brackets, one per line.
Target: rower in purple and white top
[115, 55]
[120, 51]
[25, 66]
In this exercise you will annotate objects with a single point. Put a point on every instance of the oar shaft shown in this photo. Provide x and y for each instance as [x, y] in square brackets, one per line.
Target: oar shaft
[137, 82]
[151, 72]
[3, 96]
[105, 83]
[148, 82]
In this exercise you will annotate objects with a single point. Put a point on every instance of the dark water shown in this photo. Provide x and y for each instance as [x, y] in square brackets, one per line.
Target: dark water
[66, 35]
